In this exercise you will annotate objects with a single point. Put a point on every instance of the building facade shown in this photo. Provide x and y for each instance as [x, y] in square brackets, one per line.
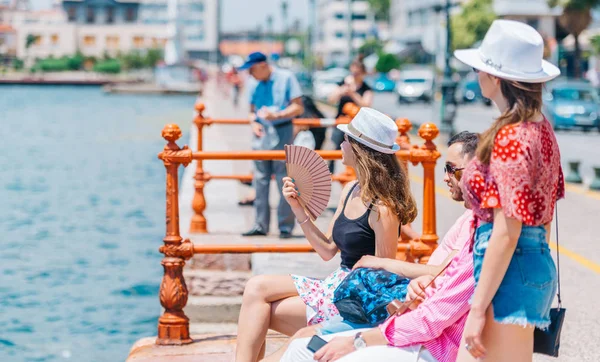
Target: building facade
[536, 13]
[343, 26]
[199, 21]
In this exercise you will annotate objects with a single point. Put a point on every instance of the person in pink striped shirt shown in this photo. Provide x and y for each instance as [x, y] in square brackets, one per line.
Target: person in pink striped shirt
[433, 330]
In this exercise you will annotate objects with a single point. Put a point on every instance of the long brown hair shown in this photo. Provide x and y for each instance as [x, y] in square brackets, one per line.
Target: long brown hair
[524, 101]
[383, 179]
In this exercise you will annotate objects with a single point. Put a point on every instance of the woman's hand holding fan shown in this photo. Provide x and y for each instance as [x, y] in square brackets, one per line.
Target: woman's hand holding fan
[311, 185]
[291, 193]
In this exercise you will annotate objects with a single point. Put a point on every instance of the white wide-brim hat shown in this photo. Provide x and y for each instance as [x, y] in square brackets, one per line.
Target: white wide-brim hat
[373, 129]
[511, 50]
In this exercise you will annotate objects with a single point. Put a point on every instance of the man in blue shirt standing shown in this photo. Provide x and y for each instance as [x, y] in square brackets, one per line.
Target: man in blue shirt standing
[275, 98]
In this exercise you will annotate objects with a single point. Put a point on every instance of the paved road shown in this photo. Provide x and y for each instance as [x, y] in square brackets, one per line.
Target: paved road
[574, 145]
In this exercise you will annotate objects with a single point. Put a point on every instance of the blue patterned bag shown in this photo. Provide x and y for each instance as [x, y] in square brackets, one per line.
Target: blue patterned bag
[362, 297]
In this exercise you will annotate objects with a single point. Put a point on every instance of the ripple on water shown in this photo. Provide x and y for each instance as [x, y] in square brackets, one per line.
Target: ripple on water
[42, 235]
[108, 246]
[6, 343]
[15, 185]
[135, 214]
[104, 229]
[139, 290]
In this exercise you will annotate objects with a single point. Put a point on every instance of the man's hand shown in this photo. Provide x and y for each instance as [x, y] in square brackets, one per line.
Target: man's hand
[369, 261]
[267, 115]
[416, 290]
[257, 129]
[335, 349]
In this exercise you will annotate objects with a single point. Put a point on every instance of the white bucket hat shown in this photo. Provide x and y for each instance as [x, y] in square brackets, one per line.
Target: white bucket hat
[373, 129]
[511, 50]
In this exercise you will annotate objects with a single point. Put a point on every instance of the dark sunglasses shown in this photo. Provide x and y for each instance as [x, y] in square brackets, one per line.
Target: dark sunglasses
[451, 170]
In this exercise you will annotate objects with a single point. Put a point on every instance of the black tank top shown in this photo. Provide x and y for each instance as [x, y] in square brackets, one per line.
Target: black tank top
[354, 237]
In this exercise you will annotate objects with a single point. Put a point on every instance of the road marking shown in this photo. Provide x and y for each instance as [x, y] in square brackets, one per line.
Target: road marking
[571, 254]
[582, 191]
[578, 258]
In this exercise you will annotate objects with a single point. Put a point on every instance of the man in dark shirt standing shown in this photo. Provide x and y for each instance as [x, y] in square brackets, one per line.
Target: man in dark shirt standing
[352, 90]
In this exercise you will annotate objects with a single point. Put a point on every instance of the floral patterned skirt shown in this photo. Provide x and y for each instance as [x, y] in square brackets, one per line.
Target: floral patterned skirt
[317, 294]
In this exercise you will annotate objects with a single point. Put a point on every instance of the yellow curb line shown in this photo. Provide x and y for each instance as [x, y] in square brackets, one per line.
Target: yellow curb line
[582, 191]
[571, 254]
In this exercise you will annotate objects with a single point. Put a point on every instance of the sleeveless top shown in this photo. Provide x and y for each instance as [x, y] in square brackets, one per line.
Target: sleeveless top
[354, 237]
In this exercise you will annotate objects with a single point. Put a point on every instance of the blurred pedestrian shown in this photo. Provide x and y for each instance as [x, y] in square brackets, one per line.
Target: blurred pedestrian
[352, 89]
[275, 98]
[235, 80]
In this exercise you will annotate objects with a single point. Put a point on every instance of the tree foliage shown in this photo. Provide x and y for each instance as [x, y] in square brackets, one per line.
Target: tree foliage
[381, 9]
[575, 18]
[387, 62]
[472, 23]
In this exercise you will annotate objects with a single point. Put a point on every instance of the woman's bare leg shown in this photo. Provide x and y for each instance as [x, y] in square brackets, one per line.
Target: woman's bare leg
[255, 314]
[503, 342]
[287, 317]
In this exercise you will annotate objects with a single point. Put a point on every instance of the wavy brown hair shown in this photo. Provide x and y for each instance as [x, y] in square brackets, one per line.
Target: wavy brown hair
[524, 101]
[383, 179]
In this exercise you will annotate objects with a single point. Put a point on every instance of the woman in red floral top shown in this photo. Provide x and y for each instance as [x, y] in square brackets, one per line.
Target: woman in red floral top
[512, 186]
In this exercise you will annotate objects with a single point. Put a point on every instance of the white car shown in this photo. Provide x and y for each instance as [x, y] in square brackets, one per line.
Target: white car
[415, 85]
[325, 82]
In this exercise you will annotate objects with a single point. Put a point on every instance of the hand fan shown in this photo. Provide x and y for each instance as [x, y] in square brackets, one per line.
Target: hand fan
[312, 178]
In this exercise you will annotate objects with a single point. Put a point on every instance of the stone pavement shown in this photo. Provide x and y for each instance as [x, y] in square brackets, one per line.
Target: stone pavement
[210, 314]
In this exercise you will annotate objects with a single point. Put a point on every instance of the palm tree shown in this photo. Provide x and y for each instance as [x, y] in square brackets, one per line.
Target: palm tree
[575, 18]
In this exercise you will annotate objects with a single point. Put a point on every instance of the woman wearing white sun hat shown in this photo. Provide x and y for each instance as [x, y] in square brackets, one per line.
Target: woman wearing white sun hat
[367, 222]
[513, 185]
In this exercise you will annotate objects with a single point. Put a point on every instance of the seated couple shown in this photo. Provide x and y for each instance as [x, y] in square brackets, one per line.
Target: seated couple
[365, 229]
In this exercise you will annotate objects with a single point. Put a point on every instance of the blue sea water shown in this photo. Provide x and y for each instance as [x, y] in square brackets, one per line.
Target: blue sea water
[82, 198]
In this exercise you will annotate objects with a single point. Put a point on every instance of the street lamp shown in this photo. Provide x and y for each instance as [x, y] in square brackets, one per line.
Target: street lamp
[284, 14]
[449, 105]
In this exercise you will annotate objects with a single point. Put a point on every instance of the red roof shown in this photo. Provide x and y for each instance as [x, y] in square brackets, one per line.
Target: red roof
[6, 28]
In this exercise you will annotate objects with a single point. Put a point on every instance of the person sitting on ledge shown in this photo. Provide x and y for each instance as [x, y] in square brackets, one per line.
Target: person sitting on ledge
[435, 328]
[366, 222]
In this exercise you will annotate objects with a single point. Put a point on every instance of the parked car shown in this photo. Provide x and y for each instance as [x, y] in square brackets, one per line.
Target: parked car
[572, 104]
[469, 91]
[415, 85]
[381, 83]
[325, 82]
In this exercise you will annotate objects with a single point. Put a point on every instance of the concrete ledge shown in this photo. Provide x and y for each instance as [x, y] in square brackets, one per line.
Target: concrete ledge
[211, 309]
[205, 347]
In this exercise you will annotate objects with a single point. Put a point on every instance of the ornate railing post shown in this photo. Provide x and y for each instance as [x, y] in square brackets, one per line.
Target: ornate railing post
[173, 325]
[403, 140]
[428, 132]
[198, 223]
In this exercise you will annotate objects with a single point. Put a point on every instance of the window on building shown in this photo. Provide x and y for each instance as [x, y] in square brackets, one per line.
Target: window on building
[197, 37]
[54, 39]
[339, 16]
[90, 15]
[339, 34]
[138, 41]
[112, 42]
[359, 35]
[38, 40]
[89, 40]
[198, 7]
[130, 15]
[71, 13]
[533, 22]
[359, 16]
[110, 14]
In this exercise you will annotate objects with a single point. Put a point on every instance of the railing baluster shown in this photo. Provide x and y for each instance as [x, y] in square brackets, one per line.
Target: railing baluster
[173, 325]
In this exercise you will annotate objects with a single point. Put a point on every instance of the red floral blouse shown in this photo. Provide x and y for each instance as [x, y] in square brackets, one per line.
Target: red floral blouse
[524, 176]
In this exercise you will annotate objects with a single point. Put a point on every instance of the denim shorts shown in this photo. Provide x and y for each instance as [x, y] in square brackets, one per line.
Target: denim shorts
[529, 285]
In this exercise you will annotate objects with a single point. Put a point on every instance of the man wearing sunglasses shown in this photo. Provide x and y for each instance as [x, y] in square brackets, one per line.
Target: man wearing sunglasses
[432, 331]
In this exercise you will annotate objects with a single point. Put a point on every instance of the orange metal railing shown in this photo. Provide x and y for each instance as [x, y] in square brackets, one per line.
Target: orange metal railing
[173, 326]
